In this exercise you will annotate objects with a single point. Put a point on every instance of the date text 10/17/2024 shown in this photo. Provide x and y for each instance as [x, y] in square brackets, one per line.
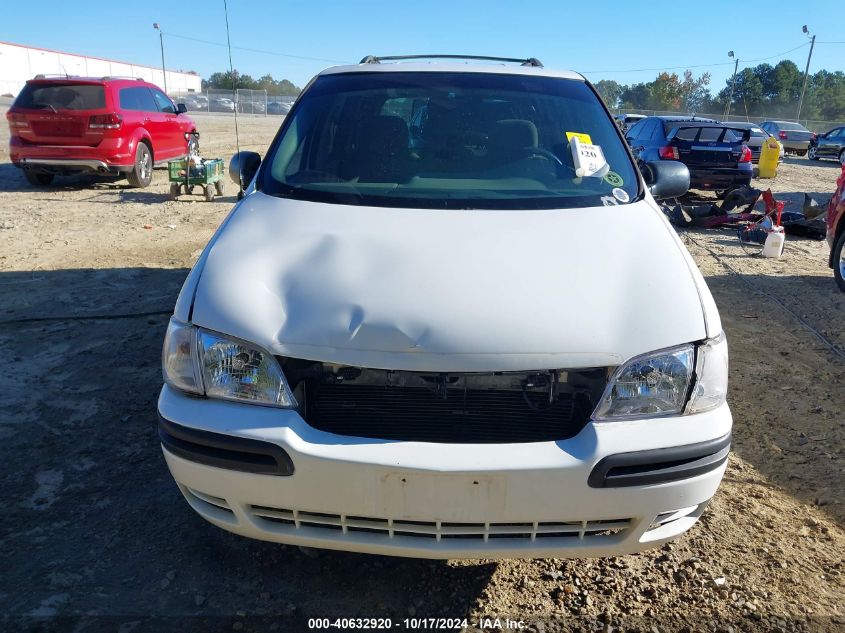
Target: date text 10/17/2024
[415, 624]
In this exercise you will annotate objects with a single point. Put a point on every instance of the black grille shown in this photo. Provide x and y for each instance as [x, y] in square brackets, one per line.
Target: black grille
[481, 416]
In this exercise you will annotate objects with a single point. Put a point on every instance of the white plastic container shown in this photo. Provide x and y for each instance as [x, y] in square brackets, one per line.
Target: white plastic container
[774, 243]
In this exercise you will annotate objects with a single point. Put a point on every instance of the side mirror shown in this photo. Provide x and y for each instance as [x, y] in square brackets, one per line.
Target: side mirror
[243, 167]
[666, 179]
[181, 108]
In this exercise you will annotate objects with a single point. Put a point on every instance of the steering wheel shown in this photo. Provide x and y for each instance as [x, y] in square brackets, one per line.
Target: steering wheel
[539, 151]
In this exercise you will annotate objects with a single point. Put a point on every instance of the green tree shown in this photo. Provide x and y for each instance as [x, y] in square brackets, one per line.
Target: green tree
[227, 80]
[610, 91]
[694, 92]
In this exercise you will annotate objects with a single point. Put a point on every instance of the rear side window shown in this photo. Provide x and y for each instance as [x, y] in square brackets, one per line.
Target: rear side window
[139, 99]
[61, 96]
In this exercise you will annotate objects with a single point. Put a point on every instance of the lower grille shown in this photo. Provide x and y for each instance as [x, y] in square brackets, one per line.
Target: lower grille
[414, 414]
[288, 520]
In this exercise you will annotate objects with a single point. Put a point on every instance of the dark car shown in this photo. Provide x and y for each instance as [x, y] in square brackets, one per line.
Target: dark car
[793, 136]
[278, 107]
[717, 155]
[758, 137]
[221, 104]
[627, 121]
[828, 145]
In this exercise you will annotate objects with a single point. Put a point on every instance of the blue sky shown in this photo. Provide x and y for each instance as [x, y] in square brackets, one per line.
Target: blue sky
[600, 39]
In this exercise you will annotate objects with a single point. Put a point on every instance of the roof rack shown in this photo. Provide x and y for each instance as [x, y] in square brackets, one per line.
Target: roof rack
[53, 76]
[122, 77]
[531, 61]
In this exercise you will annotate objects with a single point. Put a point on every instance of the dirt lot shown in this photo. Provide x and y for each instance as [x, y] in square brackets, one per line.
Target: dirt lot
[97, 537]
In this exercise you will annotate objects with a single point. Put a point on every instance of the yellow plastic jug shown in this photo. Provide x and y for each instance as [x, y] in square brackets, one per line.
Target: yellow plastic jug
[769, 156]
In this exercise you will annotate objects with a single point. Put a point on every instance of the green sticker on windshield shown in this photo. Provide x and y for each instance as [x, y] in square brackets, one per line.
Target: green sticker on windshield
[613, 179]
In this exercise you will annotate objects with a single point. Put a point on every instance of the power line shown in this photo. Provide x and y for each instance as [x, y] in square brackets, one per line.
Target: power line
[640, 70]
[258, 50]
[763, 59]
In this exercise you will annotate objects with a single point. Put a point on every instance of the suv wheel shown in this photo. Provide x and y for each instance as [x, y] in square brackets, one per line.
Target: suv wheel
[842, 158]
[142, 172]
[38, 178]
[839, 261]
[811, 154]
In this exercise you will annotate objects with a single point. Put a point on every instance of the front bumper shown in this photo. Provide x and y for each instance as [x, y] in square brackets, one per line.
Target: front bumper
[439, 500]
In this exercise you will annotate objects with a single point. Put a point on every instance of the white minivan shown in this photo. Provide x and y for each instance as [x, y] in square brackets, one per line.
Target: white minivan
[448, 320]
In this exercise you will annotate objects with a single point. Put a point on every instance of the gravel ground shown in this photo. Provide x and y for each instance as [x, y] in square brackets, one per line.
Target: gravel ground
[97, 536]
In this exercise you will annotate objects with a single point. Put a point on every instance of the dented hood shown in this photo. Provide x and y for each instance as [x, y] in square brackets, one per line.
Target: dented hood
[449, 290]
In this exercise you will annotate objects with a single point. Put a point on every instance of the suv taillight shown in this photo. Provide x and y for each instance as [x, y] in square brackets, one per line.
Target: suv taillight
[746, 155]
[782, 136]
[17, 121]
[110, 121]
[669, 153]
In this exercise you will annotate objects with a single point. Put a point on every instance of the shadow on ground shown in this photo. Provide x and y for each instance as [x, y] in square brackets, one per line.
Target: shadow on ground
[97, 517]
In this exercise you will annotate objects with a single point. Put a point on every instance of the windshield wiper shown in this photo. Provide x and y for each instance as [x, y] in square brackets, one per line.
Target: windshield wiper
[45, 105]
[319, 195]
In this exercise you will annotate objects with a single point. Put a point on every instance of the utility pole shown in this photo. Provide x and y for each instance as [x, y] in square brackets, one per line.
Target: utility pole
[733, 83]
[161, 41]
[806, 72]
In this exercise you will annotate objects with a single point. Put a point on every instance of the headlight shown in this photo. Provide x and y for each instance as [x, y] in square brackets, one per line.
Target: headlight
[237, 371]
[223, 367]
[675, 381]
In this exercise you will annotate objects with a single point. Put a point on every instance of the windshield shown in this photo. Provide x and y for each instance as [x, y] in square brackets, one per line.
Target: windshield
[446, 140]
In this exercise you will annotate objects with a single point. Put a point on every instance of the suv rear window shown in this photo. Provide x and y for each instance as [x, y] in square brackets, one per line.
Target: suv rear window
[444, 140]
[706, 133]
[62, 96]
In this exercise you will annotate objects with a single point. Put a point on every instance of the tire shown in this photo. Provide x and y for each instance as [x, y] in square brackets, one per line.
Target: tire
[811, 154]
[175, 189]
[141, 174]
[801, 152]
[721, 193]
[219, 187]
[209, 193]
[38, 178]
[842, 158]
[839, 261]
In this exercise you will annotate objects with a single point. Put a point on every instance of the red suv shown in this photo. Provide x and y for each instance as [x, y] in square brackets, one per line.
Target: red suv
[102, 125]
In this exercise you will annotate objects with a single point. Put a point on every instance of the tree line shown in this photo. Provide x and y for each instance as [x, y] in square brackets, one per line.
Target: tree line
[763, 91]
[228, 80]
